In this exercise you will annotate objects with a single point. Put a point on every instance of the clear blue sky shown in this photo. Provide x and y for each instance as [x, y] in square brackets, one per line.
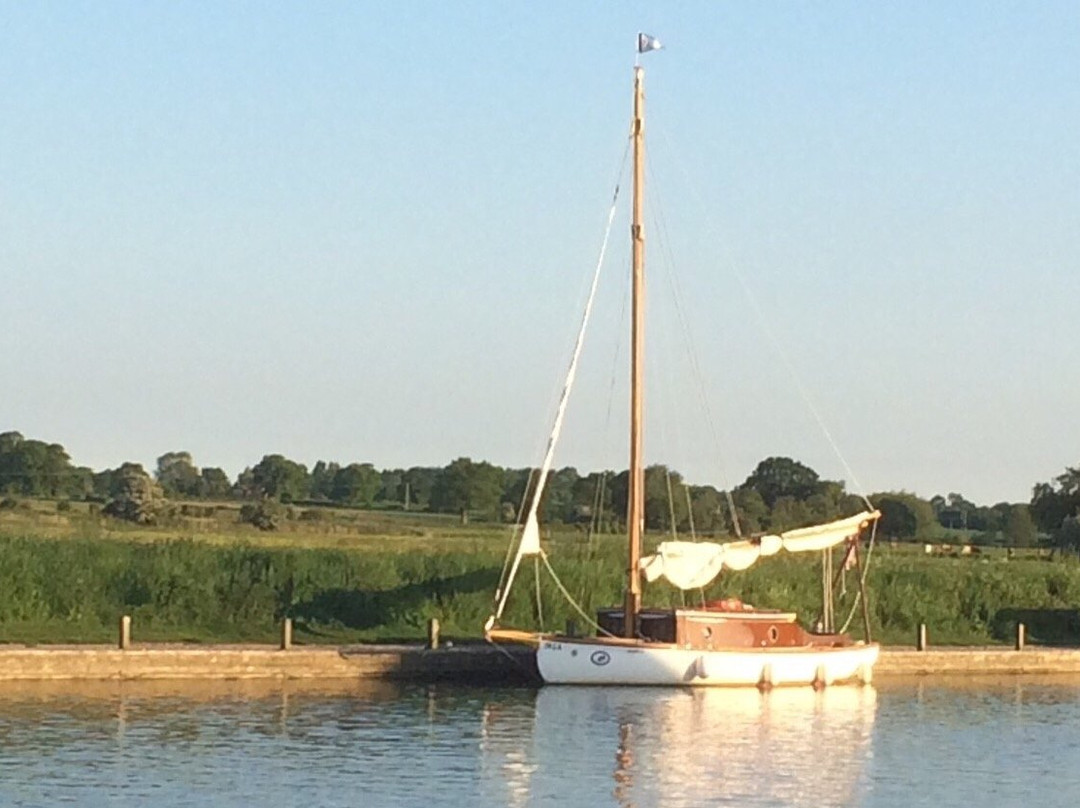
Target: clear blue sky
[360, 232]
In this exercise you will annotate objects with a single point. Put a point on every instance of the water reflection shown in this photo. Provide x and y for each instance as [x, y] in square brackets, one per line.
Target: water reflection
[677, 747]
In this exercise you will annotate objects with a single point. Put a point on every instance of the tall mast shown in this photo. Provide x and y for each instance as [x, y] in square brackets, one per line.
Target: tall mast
[636, 510]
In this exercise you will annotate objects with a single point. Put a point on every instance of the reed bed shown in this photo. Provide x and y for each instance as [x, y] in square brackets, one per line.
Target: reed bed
[184, 589]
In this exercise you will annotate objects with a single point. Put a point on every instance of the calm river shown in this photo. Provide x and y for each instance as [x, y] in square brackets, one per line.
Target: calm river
[977, 745]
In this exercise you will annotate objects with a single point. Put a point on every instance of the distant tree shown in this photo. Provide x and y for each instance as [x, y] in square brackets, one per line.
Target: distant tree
[1054, 502]
[356, 484]
[465, 486]
[419, 480]
[391, 486]
[321, 482]
[277, 477]
[214, 484]
[557, 503]
[904, 515]
[789, 513]
[1019, 529]
[34, 468]
[754, 515]
[134, 495]
[1067, 535]
[709, 509]
[592, 500]
[177, 475]
[777, 477]
[517, 488]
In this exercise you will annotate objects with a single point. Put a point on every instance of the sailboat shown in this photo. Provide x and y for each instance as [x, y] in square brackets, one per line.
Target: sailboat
[724, 643]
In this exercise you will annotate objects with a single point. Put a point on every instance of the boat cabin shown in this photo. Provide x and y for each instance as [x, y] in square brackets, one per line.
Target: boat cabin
[714, 628]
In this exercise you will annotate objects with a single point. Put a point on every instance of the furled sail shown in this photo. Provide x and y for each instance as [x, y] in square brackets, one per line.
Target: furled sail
[692, 565]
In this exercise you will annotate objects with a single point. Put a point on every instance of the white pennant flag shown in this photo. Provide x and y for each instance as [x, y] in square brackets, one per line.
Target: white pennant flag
[646, 43]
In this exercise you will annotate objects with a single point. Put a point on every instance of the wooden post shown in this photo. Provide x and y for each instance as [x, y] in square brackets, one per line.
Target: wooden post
[1020, 632]
[125, 632]
[920, 643]
[286, 634]
[433, 633]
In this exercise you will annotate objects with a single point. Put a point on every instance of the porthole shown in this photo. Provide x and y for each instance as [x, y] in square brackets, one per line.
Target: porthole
[774, 633]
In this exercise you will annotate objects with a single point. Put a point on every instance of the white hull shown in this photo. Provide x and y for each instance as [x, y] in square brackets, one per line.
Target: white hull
[585, 662]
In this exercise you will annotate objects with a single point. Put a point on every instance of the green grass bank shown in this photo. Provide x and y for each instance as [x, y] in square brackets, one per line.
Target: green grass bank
[73, 590]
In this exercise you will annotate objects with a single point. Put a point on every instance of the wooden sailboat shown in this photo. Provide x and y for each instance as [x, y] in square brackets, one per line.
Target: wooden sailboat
[726, 643]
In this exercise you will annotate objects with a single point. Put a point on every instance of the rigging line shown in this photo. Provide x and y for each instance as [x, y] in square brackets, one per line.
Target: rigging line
[689, 512]
[570, 599]
[564, 398]
[671, 504]
[765, 325]
[539, 599]
[695, 363]
[866, 572]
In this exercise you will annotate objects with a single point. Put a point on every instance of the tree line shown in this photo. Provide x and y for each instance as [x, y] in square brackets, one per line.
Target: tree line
[780, 493]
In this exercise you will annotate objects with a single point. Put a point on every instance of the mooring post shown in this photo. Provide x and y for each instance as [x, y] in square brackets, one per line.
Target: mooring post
[920, 643]
[433, 633]
[286, 634]
[1020, 632]
[125, 632]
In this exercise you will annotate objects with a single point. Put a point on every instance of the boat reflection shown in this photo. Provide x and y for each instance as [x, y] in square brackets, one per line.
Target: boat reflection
[664, 747]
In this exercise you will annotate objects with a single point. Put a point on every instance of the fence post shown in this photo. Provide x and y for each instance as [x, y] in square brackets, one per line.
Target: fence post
[433, 633]
[920, 643]
[125, 633]
[286, 634]
[1020, 632]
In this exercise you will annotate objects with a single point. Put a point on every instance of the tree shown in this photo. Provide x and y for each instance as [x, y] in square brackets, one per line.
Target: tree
[419, 481]
[465, 486]
[277, 477]
[391, 486]
[752, 510]
[777, 477]
[356, 484]
[177, 475]
[1019, 528]
[709, 509]
[214, 484]
[134, 495]
[1053, 502]
[34, 468]
[322, 479]
[904, 515]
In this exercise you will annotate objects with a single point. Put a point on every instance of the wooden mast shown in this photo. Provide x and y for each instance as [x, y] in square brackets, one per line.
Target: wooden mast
[636, 510]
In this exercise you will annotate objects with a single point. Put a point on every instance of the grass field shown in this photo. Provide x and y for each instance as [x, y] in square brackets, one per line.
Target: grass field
[347, 576]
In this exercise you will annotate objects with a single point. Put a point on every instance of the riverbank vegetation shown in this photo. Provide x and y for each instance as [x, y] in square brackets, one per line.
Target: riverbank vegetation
[74, 589]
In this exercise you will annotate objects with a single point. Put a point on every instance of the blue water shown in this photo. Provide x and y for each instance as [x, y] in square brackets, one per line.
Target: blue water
[990, 743]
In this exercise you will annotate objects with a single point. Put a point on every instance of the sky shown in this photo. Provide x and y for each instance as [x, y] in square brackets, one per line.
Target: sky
[363, 232]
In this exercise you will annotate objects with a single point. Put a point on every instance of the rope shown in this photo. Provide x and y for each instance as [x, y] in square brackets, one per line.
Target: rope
[569, 598]
[862, 581]
[539, 600]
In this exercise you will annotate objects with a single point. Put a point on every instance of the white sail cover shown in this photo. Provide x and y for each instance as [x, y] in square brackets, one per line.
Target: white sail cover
[692, 565]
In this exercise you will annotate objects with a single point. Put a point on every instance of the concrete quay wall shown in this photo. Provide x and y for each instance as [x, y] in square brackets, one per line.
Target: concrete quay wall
[470, 663]
[1032, 660]
[480, 664]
